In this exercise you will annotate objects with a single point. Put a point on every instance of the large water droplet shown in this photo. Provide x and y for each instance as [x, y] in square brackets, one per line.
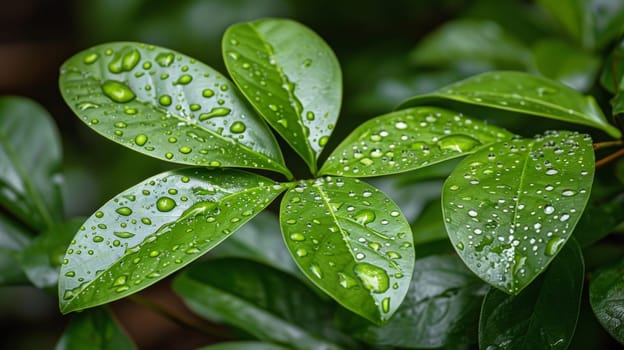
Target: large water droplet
[316, 271]
[298, 237]
[553, 245]
[165, 204]
[458, 143]
[124, 234]
[346, 281]
[130, 60]
[385, 304]
[215, 112]
[125, 211]
[238, 127]
[365, 217]
[117, 91]
[164, 59]
[140, 139]
[372, 277]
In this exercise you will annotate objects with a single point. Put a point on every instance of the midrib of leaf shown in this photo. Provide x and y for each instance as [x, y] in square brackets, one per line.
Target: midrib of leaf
[292, 99]
[343, 233]
[163, 227]
[37, 200]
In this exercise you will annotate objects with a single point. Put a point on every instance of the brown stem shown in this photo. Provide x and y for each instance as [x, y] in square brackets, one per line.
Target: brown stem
[606, 144]
[609, 158]
[214, 332]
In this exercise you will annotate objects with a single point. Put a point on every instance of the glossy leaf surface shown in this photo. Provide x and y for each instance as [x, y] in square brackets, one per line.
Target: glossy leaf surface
[30, 157]
[94, 329]
[291, 77]
[606, 292]
[442, 304]
[155, 228]
[13, 239]
[263, 301]
[523, 93]
[509, 208]
[544, 315]
[167, 105]
[409, 139]
[352, 241]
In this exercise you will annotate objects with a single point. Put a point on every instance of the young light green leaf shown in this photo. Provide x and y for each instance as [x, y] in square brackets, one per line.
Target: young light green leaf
[167, 105]
[522, 93]
[30, 157]
[352, 241]
[291, 77]
[443, 304]
[409, 139]
[606, 291]
[95, 329]
[509, 208]
[43, 257]
[263, 301]
[544, 315]
[155, 228]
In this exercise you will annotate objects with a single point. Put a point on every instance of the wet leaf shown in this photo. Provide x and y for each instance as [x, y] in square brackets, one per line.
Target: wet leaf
[544, 315]
[167, 105]
[606, 292]
[243, 345]
[30, 158]
[155, 228]
[510, 208]
[291, 77]
[95, 329]
[462, 41]
[265, 302]
[442, 304]
[42, 258]
[352, 241]
[409, 139]
[522, 93]
[13, 239]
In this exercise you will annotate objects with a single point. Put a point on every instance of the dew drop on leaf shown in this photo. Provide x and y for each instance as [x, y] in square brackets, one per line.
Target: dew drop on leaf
[372, 277]
[365, 217]
[165, 204]
[458, 143]
[125, 211]
[117, 91]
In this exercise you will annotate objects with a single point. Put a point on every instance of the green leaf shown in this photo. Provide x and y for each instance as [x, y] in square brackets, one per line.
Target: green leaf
[43, 257]
[13, 238]
[522, 93]
[465, 40]
[291, 77]
[155, 228]
[243, 345]
[265, 302]
[442, 304]
[558, 60]
[352, 241]
[510, 208]
[599, 219]
[606, 292]
[94, 329]
[429, 226]
[612, 77]
[544, 315]
[167, 105]
[259, 240]
[409, 139]
[30, 159]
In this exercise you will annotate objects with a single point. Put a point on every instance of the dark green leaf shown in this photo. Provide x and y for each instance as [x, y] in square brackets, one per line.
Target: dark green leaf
[612, 77]
[94, 329]
[259, 240]
[267, 303]
[441, 308]
[351, 241]
[430, 224]
[167, 105]
[246, 345]
[606, 292]
[13, 238]
[475, 41]
[544, 315]
[509, 208]
[558, 60]
[522, 93]
[598, 220]
[30, 157]
[291, 77]
[409, 139]
[43, 257]
[155, 228]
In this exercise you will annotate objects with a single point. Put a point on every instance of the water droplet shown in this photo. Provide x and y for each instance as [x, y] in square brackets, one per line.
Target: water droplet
[372, 277]
[117, 91]
[385, 304]
[549, 209]
[125, 211]
[346, 281]
[185, 149]
[458, 143]
[301, 252]
[154, 253]
[552, 171]
[98, 239]
[553, 245]
[70, 273]
[140, 139]
[165, 204]
[568, 193]
[165, 100]
[460, 246]
[99, 214]
[283, 122]
[401, 125]
[298, 237]
[164, 59]
[120, 281]
[124, 234]
[310, 116]
[215, 112]
[472, 213]
[323, 141]
[130, 60]
[238, 127]
[316, 271]
[91, 58]
[184, 79]
[365, 217]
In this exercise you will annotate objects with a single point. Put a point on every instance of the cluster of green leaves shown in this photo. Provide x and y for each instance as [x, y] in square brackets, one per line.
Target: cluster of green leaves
[510, 207]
